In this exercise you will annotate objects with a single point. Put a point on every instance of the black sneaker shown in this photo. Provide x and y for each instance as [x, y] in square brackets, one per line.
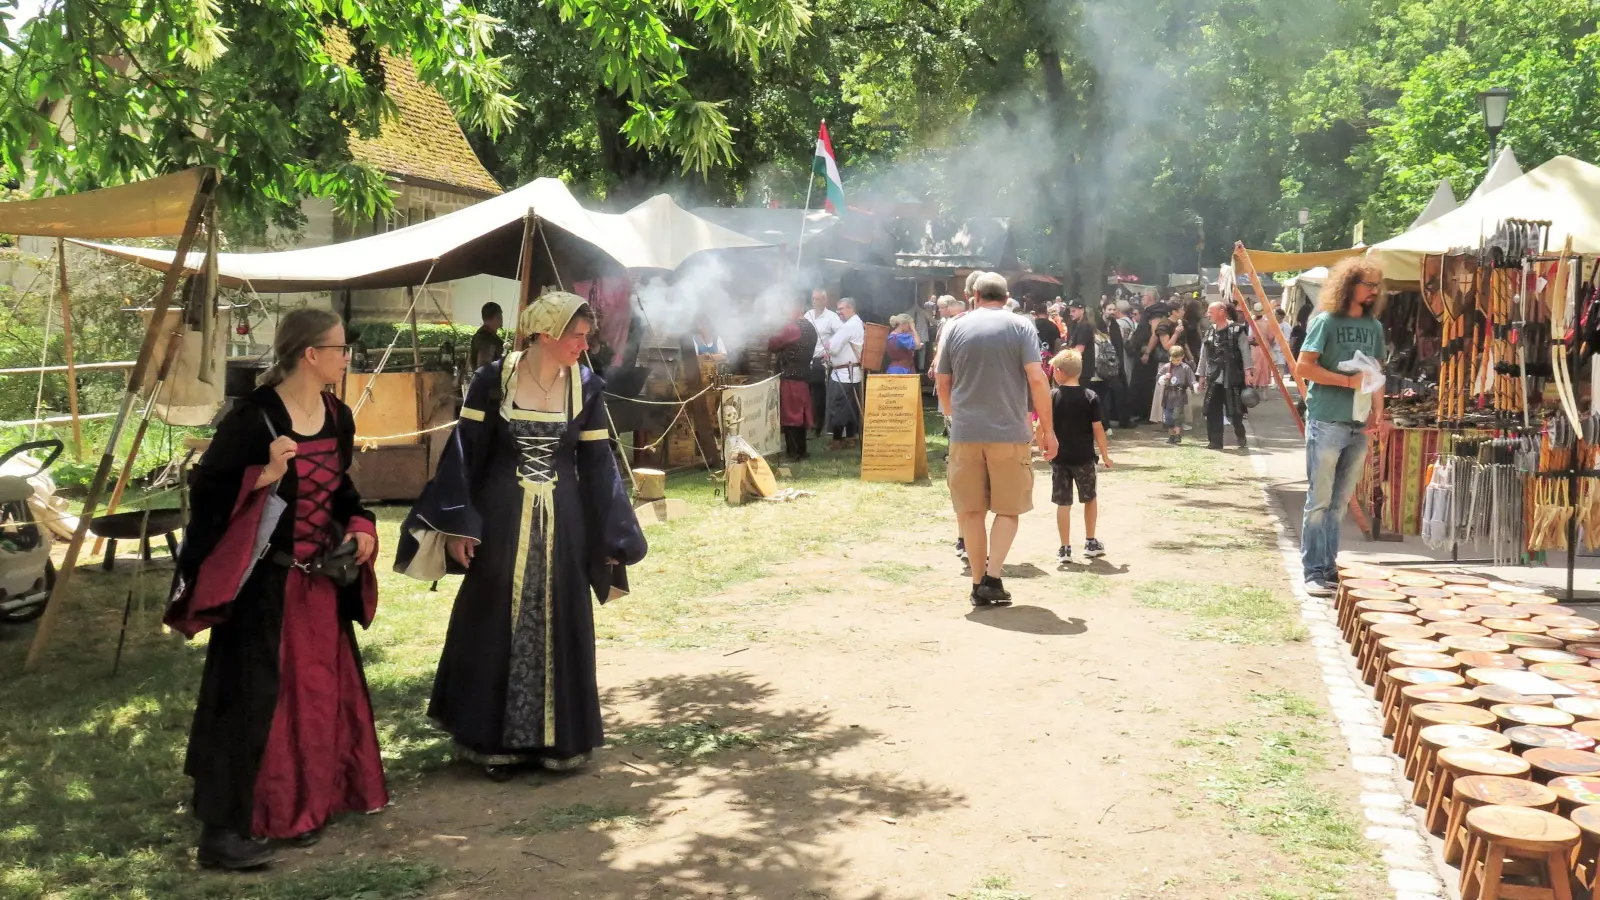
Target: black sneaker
[979, 598]
[229, 851]
[1093, 549]
[994, 591]
[1064, 554]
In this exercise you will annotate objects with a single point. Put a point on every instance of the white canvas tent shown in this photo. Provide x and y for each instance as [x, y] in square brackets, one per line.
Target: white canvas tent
[1443, 201]
[1505, 170]
[484, 239]
[1565, 191]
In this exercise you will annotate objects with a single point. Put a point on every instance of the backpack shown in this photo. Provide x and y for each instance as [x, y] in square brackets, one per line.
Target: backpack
[1106, 364]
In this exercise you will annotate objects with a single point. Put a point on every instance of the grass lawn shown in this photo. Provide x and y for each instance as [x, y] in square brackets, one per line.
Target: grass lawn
[92, 795]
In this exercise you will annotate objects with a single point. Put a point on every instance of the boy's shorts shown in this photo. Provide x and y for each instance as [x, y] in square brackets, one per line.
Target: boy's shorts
[1172, 417]
[1063, 478]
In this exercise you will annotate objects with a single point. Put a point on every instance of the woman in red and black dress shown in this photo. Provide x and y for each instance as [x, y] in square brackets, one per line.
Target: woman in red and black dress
[283, 736]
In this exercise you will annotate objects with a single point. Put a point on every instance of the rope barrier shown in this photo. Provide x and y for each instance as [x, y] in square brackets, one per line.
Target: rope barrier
[369, 443]
[384, 359]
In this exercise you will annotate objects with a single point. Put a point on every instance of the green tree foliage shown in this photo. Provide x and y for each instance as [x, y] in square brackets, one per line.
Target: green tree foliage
[635, 93]
[1403, 90]
[100, 92]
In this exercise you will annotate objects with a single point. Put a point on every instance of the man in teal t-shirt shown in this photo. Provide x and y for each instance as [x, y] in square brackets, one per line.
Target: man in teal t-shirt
[1336, 441]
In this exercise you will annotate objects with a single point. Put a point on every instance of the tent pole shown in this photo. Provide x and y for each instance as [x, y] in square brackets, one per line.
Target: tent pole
[524, 275]
[66, 338]
[208, 300]
[1241, 257]
[174, 347]
[416, 368]
[69, 565]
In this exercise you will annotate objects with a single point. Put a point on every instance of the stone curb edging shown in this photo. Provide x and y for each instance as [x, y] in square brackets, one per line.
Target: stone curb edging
[1416, 872]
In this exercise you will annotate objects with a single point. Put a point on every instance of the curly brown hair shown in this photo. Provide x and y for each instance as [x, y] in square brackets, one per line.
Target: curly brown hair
[1341, 282]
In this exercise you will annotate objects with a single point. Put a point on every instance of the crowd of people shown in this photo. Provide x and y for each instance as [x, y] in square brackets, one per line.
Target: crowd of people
[528, 505]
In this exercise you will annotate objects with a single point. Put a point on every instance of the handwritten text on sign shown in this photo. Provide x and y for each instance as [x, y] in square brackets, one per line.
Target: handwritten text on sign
[893, 446]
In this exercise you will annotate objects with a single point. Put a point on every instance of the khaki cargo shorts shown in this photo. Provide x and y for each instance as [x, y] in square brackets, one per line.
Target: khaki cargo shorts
[995, 478]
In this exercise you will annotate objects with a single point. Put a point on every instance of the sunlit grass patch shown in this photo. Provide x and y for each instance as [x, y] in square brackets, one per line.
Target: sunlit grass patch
[1230, 614]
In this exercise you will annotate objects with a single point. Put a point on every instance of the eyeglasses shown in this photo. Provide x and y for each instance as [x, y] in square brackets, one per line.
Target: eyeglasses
[1374, 285]
[342, 348]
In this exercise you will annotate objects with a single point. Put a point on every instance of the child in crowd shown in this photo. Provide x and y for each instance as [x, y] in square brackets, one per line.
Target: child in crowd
[1177, 383]
[1079, 431]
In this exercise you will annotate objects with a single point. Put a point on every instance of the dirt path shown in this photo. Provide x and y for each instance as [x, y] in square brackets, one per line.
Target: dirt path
[1150, 724]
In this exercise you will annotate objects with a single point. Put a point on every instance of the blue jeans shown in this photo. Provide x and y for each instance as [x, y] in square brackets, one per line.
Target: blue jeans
[1335, 452]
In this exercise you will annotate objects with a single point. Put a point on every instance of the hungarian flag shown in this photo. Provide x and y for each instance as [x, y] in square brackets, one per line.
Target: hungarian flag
[823, 164]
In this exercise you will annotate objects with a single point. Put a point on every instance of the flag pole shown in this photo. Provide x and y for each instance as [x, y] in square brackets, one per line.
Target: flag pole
[811, 182]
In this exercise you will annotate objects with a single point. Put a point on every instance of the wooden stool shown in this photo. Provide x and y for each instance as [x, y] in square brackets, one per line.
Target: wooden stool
[1343, 603]
[1499, 611]
[1578, 622]
[1576, 637]
[1462, 578]
[1509, 626]
[1459, 629]
[1423, 716]
[1588, 651]
[1565, 672]
[1519, 639]
[1430, 616]
[1430, 593]
[1474, 642]
[1413, 694]
[1474, 791]
[1581, 688]
[1395, 679]
[1498, 833]
[1412, 579]
[1533, 655]
[1479, 659]
[1544, 737]
[1550, 763]
[1579, 707]
[1490, 694]
[1514, 714]
[1375, 633]
[1444, 603]
[1458, 762]
[1477, 677]
[1384, 646]
[1357, 636]
[1364, 601]
[1586, 817]
[1587, 728]
[1573, 791]
[1432, 739]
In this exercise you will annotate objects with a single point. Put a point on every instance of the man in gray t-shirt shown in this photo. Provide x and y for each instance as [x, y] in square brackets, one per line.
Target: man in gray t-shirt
[988, 372]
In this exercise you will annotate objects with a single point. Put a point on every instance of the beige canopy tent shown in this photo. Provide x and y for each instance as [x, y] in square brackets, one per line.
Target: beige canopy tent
[1565, 191]
[1505, 170]
[145, 209]
[1442, 201]
[483, 239]
[179, 204]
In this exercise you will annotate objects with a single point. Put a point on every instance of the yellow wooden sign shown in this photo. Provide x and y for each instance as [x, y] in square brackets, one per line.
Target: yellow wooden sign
[893, 446]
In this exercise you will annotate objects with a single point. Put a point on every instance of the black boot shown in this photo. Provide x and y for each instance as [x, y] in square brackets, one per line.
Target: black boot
[222, 848]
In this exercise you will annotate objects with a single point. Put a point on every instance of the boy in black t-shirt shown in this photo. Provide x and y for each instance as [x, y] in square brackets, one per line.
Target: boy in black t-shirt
[1079, 431]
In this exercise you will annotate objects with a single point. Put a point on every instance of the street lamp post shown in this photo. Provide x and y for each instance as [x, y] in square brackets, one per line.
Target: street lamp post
[1305, 216]
[1200, 246]
[1493, 104]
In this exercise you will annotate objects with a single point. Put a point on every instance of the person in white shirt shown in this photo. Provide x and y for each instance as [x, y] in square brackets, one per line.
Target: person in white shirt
[826, 322]
[844, 377]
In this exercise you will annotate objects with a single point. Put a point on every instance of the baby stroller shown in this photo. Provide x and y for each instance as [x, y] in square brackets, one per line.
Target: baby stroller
[27, 574]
